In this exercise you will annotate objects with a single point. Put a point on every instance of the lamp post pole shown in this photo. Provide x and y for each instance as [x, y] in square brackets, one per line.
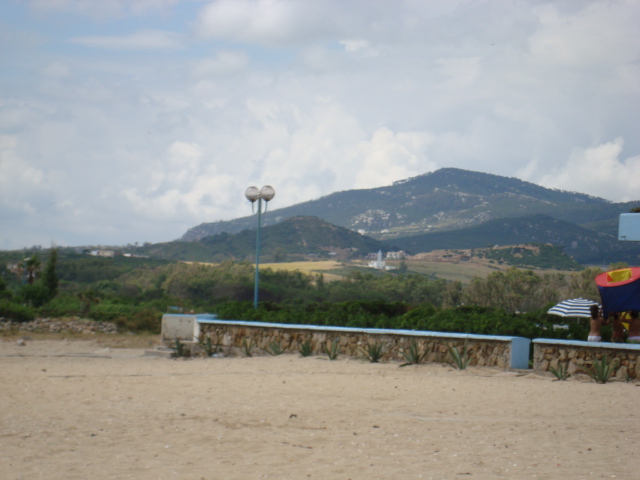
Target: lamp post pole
[252, 194]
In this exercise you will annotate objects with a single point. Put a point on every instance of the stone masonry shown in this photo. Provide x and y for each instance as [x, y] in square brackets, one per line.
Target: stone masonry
[353, 344]
[579, 356]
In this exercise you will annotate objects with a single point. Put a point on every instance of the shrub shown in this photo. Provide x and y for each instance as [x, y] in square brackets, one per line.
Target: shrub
[16, 312]
[146, 320]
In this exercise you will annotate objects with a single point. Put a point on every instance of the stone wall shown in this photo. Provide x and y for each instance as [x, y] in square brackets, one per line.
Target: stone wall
[57, 325]
[482, 350]
[579, 356]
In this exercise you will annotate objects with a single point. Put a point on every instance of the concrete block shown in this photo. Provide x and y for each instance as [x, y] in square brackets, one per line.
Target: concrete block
[179, 327]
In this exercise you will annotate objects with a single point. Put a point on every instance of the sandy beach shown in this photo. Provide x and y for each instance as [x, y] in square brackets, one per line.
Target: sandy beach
[78, 410]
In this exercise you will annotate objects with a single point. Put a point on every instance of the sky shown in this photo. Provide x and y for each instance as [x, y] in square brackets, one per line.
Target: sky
[125, 121]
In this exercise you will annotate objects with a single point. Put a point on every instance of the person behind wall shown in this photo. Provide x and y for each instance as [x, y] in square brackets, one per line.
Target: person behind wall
[634, 328]
[596, 322]
[617, 330]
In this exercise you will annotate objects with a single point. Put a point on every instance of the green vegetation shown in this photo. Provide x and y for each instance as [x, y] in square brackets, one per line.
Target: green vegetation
[533, 255]
[306, 349]
[135, 296]
[209, 348]
[412, 355]
[333, 350]
[602, 370]
[374, 352]
[180, 350]
[274, 348]
[459, 361]
[248, 346]
[561, 372]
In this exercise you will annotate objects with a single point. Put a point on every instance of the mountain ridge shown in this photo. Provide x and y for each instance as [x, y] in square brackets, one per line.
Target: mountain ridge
[446, 199]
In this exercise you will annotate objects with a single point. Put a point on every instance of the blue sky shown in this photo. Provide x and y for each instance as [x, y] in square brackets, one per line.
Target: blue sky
[127, 121]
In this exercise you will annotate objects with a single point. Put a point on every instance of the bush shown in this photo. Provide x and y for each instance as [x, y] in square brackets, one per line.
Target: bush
[15, 312]
[35, 295]
[143, 321]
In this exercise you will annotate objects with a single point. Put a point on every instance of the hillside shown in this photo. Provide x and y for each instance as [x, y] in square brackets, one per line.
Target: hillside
[298, 236]
[584, 246]
[446, 199]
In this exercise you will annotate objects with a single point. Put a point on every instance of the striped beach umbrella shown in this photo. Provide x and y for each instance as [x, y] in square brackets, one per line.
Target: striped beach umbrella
[576, 307]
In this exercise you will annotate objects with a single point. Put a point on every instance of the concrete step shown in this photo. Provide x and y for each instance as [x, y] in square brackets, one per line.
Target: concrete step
[164, 352]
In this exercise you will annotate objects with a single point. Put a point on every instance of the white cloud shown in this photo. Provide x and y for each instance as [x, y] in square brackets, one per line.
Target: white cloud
[597, 35]
[178, 106]
[389, 157]
[101, 8]
[145, 39]
[223, 63]
[270, 22]
[598, 171]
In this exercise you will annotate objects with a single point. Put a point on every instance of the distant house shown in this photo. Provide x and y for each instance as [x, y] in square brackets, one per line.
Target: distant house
[103, 253]
[378, 263]
[399, 255]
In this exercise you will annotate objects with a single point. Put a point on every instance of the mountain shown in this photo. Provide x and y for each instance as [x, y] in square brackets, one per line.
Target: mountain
[293, 236]
[446, 199]
[583, 245]
[453, 208]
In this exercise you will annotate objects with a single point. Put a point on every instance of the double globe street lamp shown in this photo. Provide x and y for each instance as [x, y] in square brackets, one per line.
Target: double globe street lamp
[265, 194]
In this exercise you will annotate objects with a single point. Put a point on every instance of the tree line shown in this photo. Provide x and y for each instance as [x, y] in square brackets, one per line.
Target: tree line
[135, 294]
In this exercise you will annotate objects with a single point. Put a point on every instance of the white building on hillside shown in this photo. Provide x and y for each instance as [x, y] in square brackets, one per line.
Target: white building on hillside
[379, 262]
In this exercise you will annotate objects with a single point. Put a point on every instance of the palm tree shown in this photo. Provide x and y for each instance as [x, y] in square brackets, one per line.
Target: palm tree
[32, 267]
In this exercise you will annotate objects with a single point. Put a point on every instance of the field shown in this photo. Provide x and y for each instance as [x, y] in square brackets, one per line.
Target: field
[323, 267]
[462, 271]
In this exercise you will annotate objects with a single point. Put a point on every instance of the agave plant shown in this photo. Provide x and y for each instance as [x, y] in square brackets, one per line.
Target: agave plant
[412, 355]
[561, 372]
[306, 349]
[247, 347]
[274, 348]
[374, 352]
[333, 351]
[180, 350]
[460, 360]
[602, 370]
[207, 346]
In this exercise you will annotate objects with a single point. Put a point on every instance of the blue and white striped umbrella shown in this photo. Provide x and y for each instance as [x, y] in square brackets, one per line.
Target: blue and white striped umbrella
[577, 307]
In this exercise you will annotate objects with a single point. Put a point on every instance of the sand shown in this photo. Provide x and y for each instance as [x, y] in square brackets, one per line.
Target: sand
[75, 410]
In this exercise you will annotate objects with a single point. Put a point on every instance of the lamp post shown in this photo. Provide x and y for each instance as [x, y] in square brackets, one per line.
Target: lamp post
[266, 193]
